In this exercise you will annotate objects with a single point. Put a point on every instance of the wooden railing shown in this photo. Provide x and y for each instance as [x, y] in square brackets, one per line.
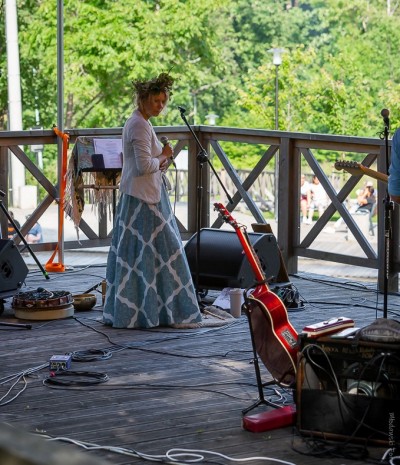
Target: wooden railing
[293, 152]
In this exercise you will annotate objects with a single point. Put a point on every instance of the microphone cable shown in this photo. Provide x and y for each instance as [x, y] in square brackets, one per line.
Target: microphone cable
[75, 378]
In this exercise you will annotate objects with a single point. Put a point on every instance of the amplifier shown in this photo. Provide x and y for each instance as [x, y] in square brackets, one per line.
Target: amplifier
[349, 390]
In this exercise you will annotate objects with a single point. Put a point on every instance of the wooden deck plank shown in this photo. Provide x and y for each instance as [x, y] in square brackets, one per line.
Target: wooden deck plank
[167, 388]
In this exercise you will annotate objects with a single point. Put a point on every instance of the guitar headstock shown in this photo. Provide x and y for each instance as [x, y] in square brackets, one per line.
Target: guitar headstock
[347, 165]
[225, 215]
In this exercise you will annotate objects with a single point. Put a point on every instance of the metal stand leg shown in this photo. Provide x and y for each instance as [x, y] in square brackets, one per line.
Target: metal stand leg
[15, 325]
[260, 385]
[3, 208]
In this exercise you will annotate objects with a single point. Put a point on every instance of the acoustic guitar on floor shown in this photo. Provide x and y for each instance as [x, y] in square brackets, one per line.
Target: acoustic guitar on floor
[275, 338]
[358, 169]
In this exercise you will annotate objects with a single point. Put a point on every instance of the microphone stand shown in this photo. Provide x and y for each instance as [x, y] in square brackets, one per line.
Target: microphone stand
[389, 207]
[202, 157]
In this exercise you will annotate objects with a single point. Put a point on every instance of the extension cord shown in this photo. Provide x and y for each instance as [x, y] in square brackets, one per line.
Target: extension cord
[271, 419]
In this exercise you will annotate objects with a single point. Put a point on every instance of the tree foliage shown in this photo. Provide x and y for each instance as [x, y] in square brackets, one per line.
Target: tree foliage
[339, 69]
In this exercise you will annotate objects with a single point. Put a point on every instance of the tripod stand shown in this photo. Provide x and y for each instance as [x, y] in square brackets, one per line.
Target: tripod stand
[11, 292]
[202, 158]
[17, 230]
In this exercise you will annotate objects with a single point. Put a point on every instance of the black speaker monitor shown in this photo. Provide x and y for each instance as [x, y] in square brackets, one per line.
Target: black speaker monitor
[223, 263]
[13, 269]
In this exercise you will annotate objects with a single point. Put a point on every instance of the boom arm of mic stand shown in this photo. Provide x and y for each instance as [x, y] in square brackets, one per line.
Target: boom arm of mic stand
[203, 156]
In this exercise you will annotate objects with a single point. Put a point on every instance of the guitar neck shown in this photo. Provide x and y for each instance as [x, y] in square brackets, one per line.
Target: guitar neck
[244, 240]
[251, 256]
[357, 169]
[374, 174]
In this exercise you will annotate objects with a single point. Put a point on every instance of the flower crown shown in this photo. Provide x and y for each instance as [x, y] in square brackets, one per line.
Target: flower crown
[162, 83]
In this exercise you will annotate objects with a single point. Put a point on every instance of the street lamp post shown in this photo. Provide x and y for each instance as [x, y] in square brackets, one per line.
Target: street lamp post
[276, 97]
[277, 61]
[212, 119]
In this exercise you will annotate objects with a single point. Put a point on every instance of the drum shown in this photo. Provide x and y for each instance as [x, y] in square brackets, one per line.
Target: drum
[43, 305]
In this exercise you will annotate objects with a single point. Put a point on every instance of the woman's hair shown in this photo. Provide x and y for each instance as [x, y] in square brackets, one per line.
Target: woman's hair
[142, 89]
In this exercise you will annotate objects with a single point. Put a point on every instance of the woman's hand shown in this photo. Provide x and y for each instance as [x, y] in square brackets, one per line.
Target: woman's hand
[166, 155]
[164, 165]
[167, 151]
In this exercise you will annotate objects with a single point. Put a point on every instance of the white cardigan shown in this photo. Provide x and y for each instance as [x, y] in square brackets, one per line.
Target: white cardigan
[141, 175]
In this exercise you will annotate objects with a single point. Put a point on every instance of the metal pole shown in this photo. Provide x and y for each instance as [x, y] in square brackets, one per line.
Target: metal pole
[277, 153]
[276, 96]
[60, 112]
[17, 170]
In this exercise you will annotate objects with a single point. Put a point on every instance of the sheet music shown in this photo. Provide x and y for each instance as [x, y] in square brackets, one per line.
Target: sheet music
[111, 149]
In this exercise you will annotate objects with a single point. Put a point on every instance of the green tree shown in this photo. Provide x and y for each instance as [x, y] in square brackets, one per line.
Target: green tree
[340, 81]
[340, 69]
[107, 44]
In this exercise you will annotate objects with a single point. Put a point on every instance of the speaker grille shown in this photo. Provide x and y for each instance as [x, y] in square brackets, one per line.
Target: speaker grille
[13, 269]
[222, 261]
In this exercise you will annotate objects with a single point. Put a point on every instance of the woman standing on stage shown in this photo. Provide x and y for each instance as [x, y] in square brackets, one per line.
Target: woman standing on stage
[148, 278]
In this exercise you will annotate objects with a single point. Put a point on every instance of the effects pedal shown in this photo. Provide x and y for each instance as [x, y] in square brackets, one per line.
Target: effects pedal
[60, 362]
[327, 327]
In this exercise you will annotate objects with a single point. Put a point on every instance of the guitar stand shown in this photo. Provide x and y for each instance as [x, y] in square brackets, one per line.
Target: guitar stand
[260, 385]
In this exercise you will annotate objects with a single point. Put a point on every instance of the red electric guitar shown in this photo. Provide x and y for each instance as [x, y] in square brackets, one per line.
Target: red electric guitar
[274, 337]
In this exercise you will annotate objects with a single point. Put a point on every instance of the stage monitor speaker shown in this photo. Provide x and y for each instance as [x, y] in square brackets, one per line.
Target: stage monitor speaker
[13, 269]
[223, 263]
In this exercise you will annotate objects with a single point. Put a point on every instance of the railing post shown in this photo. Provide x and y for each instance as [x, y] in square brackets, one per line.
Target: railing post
[288, 211]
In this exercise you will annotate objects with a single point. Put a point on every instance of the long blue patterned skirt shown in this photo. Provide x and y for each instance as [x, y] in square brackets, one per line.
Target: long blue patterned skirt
[148, 277]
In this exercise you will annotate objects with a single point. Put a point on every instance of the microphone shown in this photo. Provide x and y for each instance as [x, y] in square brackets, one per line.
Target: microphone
[181, 109]
[385, 116]
[164, 140]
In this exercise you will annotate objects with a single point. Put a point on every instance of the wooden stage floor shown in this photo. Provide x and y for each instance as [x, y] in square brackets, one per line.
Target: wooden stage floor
[166, 388]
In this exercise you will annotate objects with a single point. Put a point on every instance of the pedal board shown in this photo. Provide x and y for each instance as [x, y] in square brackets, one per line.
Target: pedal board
[326, 327]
